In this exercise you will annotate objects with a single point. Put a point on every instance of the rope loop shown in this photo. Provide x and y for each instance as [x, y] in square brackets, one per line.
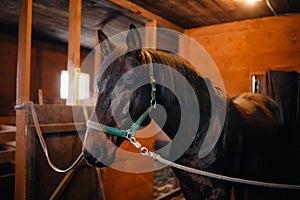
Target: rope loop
[42, 140]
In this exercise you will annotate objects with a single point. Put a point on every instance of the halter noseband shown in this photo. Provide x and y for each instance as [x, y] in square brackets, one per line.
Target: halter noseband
[130, 133]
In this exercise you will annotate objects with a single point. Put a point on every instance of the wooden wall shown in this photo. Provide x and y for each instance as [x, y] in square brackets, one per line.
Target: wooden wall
[47, 60]
[8, 66]
[119, 185]
[242, 48]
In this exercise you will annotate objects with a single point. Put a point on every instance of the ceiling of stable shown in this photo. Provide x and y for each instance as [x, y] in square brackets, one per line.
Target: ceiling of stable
[50, 18]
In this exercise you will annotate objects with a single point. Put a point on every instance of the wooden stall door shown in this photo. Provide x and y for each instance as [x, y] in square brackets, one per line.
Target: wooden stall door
[64, 139]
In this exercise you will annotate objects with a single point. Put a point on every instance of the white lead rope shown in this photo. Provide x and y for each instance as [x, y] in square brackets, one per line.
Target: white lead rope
[42, 141]
[222, 177]
[144, 151]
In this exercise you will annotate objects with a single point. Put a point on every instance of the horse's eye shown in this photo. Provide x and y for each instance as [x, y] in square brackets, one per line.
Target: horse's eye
[129, 85]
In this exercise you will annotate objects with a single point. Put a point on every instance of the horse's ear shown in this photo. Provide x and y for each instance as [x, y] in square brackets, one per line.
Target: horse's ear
[133, 40]
[106, 46]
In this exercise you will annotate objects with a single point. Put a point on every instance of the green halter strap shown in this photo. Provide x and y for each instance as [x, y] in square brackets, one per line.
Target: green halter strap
[146, 58]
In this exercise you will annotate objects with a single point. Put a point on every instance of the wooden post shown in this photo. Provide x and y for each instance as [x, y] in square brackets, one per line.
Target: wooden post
[150, 34]
[150, 42]
[23, 93]
[97, 63]
[73, 47]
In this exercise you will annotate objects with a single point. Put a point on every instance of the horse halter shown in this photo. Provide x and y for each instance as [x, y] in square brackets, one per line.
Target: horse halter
[129, 134]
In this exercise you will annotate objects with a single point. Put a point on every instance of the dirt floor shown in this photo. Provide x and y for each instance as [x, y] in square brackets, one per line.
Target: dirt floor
[165, 183]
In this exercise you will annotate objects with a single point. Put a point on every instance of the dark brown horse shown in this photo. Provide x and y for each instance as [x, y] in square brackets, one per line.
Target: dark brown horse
[246, 146]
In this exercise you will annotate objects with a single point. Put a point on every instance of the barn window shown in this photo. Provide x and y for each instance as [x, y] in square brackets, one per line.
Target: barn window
[83, 85]
[252, 1]
[256, 81]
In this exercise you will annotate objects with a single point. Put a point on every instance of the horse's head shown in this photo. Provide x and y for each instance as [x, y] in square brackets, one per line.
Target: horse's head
[119, 102]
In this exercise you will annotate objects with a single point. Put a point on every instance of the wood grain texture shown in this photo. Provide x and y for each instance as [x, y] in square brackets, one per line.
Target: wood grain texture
[7, 153]
[73, 48]
[121, 185]
[64, 145]
[243, 48]
[23, 93]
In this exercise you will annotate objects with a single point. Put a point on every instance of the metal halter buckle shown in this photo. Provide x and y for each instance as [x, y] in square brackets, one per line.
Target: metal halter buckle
[129, 134]
[144, 151]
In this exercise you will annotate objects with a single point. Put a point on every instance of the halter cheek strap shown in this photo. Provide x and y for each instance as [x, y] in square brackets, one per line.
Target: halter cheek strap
[130, 133]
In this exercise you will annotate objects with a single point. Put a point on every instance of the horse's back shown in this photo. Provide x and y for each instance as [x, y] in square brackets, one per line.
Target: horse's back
[259, 111]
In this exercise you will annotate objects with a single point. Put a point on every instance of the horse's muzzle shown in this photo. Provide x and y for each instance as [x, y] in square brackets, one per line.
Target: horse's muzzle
[93, 161]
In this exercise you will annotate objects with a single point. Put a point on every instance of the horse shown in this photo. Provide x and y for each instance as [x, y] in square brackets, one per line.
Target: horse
[248, 138]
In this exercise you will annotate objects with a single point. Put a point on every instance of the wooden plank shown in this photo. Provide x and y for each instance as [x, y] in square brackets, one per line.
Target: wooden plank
[110, 175]
[23, 93]
[7, 133]
[116, 182]
[241, 48]
[30, 159]
[7, 153]
[73, 47]
[7, 137]
[8, 42]
[151, 34]
[124, 190]
[63, 149]
[6, 176]
[9, 128]
[138, 9]
[63, 127]
[142, 191]
[8, 120]
[97, 64]
[204, 13]
[59, 114]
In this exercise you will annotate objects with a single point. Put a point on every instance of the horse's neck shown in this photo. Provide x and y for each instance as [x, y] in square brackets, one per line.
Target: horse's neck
[174, 114]
[203, 90]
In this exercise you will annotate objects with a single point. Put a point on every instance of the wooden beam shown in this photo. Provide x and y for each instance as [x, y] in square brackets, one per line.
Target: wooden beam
[146, 13]
[73, 47]
[97, 63]
[7, 133]
[151, 34]
[7, 120]
[60, 127]
[23, 94]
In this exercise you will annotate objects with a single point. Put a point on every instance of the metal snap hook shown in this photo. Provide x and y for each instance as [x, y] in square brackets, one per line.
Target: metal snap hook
[153, 103]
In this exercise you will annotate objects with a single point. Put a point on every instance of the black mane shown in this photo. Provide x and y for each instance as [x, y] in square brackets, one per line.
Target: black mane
[201, 86]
